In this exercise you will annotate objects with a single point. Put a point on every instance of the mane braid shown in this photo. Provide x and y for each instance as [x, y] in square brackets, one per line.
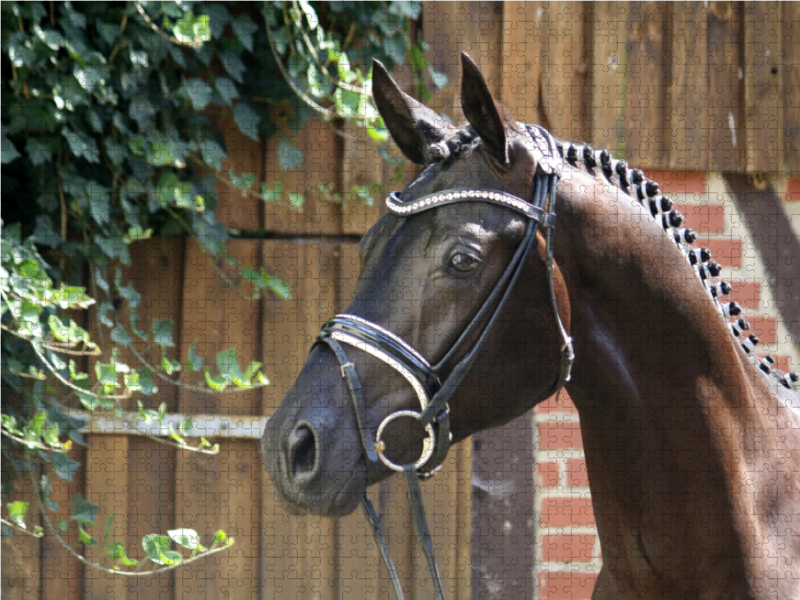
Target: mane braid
[600, 163]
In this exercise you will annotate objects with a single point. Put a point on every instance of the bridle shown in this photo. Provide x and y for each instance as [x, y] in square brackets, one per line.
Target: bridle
[432, 390]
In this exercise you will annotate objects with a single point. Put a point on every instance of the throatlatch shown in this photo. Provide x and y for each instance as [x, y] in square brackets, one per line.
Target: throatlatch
[432, 389]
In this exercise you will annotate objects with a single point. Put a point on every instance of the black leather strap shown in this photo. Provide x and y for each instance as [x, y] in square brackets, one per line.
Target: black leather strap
[421, 530]
[359, 404]
[375, 524]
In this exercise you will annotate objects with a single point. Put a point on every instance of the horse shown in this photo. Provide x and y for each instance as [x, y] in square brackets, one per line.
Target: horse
[692, 443]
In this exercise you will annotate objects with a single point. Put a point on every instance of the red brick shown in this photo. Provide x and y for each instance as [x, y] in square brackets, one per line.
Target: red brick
[576, 473]
[705, 218]
[566, 586]
[793, 190]
[786, 364]
[568, 548]
[561, 404]
[567, 512]
[546, 474]
[560, 435]
[674, 182]
[765, 328]
[746, 293]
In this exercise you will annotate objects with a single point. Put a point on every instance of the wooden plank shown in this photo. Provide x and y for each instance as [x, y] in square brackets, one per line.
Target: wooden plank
[238, 208]
[450, 28]
[790, 90]
[156, 269]
[523, 49]
[762, 78]
[22, 574]
[107, 469]
[565, 69]
[644, 122]
[320, 166]
[609, 60]
[687, 100]
[220, 492]
[725, 89]
[299, 552]
[363, 169]
[358, 560]
[62, 572]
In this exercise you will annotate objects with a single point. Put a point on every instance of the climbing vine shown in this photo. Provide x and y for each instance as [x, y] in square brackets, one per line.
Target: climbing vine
[107, 140]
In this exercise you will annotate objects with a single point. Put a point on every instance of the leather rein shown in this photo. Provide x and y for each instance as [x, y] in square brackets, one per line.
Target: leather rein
[432, 390]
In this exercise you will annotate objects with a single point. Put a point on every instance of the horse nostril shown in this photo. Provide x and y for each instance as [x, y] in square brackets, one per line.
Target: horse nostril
[303, 461]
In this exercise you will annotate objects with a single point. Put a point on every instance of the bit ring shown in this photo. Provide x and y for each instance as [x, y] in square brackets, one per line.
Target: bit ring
[427, 444]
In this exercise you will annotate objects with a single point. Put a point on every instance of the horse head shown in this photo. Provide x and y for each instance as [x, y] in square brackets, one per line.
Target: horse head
[426, 291]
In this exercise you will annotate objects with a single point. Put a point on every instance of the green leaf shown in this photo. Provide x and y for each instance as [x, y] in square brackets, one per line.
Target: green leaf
[17, 511]
[199, 92]
[216, 383]
[195, 362]
[219, 538]
[296, 200]
[188, 538]
[169, 366]
[162, 333]
[83, 511]
[118, 555]
[226, 88]
[244, 28]
[120, 336]
[156, 547]
[289, 156]
[64, 466]
[82, 145]
[228, 364]
[185, 426]
[8, 151]
[146, 385]
[213, 154]
[84, 536]
[106, 375]
[246, 119]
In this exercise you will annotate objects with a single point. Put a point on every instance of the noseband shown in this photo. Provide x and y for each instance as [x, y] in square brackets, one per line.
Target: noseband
[433, 390]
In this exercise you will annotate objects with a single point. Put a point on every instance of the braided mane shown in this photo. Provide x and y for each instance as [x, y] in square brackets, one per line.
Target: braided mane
[647, 192]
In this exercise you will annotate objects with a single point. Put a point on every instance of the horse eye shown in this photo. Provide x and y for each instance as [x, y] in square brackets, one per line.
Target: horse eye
[463, 263]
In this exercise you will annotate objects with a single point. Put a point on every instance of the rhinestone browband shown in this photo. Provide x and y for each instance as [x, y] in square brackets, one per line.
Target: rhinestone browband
[398, 207]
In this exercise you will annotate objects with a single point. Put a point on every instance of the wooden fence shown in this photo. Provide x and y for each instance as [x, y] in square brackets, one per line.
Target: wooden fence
[669, 86]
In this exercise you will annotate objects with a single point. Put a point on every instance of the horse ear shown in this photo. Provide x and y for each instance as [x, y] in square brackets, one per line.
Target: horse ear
[483, 112]
[413, 126]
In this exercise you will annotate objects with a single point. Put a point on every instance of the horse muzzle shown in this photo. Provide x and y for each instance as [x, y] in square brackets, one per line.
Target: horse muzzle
[314, 465]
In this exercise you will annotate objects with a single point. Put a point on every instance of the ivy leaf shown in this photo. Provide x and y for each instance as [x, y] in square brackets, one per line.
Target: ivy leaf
[195, 361]
[117, 554]
[289, 156]
[120, 336]
[83, 511]
[233, 65]
[188, 538]
[246, 119]
[146, 385]
[212, 154]
[244, 28]
[199, 92]
[156, 547]
[8, 152]
[216, 383]
[162, 332]
[17, 511]
[226, 89]
[81, 145]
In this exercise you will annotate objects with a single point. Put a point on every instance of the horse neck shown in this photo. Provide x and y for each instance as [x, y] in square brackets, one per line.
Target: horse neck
[669, 402]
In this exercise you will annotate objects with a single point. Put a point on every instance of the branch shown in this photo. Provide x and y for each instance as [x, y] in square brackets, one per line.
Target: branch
[156, 29]
[188, 386]
[36, 534]
[89, 563]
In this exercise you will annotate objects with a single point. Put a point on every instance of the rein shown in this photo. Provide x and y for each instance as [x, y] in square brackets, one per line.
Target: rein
[432, 389]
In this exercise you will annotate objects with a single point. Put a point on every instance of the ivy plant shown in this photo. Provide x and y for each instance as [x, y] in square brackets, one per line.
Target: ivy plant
[108, 138]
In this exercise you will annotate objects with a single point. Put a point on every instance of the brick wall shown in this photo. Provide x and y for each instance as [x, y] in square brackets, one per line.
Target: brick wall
[567, 551]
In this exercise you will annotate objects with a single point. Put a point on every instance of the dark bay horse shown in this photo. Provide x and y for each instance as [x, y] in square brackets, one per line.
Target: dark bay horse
[692, 445]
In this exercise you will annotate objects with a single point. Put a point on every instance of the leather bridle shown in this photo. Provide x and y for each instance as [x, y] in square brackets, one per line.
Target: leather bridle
[432, 389]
